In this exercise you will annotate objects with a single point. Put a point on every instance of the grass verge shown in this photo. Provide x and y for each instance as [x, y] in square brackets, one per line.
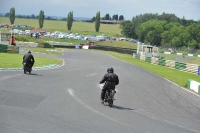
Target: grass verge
[15, 61]
[173, 75]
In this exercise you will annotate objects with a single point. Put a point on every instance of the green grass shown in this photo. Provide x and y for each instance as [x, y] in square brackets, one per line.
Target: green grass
[15, 60]
[77, 27]
[122, 44]
[67, 41]
[173, 75]
[54, 51]
[173, 57]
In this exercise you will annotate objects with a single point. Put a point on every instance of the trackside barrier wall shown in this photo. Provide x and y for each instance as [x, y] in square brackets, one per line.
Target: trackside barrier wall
[196, 55]
[192, 68]
[193, 85]
[3, 48]
[13, 49]
[9, 48]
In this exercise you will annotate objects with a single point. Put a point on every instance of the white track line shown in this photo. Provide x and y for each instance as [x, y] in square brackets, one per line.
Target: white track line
[139, 111]
[91, 75]
[71, 92]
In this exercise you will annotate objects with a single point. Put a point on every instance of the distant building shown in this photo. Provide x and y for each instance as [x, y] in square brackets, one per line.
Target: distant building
[111, 21]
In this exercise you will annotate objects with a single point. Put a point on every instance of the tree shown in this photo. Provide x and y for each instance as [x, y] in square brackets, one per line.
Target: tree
[70, 20]
[12, 15]
[121, 17]
[63, 19]
[7, 15]
[93, 19]
[33, 16]
[128, 29]
[115, 17]
[107, 17]
[193, 44]
[97, 22]
[41, 19]
[49, 18]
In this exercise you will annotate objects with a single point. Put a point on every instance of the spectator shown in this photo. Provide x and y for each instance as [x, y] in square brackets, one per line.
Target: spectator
[13, 41]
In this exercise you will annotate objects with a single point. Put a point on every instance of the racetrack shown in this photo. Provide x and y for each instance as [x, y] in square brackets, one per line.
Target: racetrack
[67, 100]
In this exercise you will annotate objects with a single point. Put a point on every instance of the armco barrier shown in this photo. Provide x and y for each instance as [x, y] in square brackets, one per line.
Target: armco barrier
[115, 49]
[64, 46]
[193, 85]
[106, 48]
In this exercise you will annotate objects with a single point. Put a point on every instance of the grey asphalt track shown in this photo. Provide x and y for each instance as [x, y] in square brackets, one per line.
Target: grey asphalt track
[67, 100]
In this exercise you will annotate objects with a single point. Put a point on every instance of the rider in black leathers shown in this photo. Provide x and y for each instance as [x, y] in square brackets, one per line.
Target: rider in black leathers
[28, 58]
[111, 80]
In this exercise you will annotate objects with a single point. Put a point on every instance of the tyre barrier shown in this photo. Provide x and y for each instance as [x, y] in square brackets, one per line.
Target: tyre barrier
[192, 68]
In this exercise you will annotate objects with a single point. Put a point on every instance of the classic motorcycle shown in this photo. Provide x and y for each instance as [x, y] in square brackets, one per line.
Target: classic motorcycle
[109, 96]
[27, 68]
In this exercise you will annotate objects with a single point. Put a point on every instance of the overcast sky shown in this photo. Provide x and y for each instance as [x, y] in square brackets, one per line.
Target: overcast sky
[190, 9]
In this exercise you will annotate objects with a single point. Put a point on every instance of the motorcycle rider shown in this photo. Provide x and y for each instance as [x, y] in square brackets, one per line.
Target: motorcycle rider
[111, 80]
[28, 58]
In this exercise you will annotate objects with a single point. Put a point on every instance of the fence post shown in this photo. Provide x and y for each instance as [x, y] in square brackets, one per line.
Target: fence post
[199, 71]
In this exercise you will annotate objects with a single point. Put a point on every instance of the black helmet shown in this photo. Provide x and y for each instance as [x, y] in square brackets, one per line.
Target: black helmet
[29, 51]
[111, 70]
[108, 70]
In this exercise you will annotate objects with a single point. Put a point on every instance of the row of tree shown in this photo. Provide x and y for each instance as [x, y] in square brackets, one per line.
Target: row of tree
[163, 30]
[160, 30]
[69, 19]
[114, 17]
[33, 16]
[41, 18]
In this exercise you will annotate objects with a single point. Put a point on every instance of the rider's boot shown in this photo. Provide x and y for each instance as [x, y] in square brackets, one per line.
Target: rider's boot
[102, 101]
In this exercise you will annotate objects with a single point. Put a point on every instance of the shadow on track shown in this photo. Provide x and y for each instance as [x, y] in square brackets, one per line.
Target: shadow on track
[121, 108]
[34, 74]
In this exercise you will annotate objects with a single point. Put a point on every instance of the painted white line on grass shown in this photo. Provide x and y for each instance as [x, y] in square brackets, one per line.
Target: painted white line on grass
[157, 75]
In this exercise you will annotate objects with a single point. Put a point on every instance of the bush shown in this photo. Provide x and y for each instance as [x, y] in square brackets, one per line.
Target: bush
[161, 51]
[25, 39]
